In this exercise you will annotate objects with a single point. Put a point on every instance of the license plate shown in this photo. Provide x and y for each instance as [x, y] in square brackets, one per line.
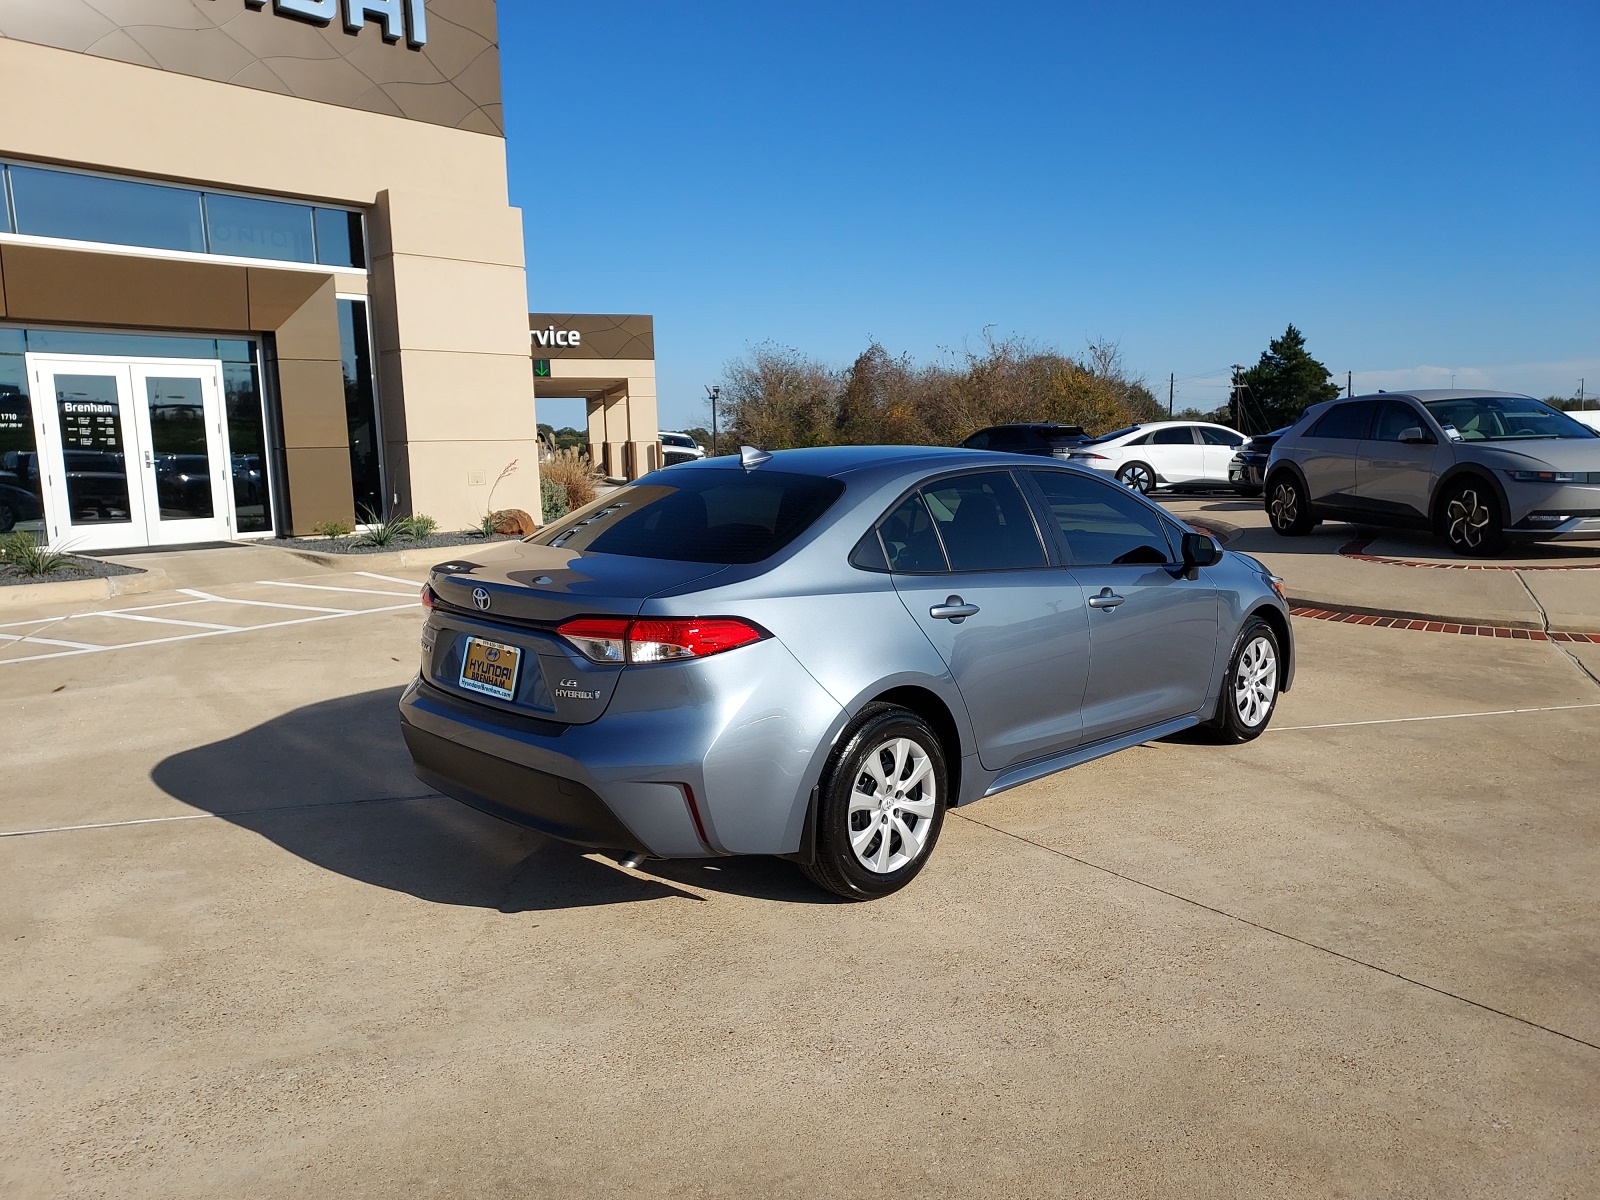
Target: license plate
[490, 668]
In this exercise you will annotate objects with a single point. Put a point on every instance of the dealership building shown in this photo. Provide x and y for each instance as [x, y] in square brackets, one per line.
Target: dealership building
[259, 271]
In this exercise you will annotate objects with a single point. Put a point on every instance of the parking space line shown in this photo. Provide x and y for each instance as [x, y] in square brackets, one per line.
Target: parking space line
[126, 615]
[214, 816]
[389, 578]
[327, 587]
[1498, 712]
[39, 641]
[324, 614]
[266, 603]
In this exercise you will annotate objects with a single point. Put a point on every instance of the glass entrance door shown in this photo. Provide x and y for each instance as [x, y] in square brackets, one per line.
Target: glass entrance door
[135, 452]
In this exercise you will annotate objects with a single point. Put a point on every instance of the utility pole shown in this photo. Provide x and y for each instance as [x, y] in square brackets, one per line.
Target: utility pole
[1349, 384]
[1580, 395]
[712, 392]
[1172, 380]
[1233, 397]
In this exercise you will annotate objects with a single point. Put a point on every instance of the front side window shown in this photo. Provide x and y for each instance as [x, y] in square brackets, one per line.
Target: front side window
[1347, 421]
[1103, 524]
[1393, 418]
[1505, 419]
[707, 515]
[1221, 437]
[984, 523]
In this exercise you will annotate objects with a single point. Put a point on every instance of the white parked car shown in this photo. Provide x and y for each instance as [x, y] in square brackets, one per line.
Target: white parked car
[1588, 417]
[679, 448]
[1164, 454]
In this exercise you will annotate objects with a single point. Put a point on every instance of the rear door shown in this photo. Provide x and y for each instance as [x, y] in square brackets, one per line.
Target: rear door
[1176, 454]
[1394, 479]
[1152, 629]
[968, 562]
[1327, 454]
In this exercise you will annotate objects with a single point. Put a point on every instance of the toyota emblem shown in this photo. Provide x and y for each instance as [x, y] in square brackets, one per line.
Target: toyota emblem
[480, 599]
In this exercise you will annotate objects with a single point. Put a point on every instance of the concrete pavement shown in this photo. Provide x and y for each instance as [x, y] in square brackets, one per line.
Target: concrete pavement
[1352, 958]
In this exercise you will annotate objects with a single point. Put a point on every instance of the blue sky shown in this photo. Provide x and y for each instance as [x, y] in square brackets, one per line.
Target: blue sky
[1416, 186]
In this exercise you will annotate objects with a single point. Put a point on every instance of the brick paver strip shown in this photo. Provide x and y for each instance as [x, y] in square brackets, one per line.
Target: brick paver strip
[1495, 631]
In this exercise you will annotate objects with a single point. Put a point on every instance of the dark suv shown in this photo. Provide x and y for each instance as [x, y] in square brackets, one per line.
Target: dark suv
[1051, 441]
[1478, 468]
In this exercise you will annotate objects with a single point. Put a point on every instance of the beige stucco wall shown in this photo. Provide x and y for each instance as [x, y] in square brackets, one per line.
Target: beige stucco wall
[447, 281]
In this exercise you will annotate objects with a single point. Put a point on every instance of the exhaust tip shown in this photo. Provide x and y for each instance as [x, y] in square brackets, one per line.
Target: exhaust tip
[633, 861]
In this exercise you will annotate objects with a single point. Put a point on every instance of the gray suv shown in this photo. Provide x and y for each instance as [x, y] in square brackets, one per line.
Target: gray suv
[1480, 469]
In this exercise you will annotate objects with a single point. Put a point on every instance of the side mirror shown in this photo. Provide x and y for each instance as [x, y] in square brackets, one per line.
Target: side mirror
[1416, 436]
[1200, 550]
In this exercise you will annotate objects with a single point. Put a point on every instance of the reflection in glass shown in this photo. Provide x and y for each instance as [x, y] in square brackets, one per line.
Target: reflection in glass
[20, 496]
[89, 208]
[259, 228]
[93, 446]
[361, 408]
[178, 447]
[339, 239]
[120, 345]
[247, 442]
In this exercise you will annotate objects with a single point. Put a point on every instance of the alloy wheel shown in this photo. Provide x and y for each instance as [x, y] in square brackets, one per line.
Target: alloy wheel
[1255, 684]
[1138, 477]
[1285, 505]
[892, 806]
[1467, 519]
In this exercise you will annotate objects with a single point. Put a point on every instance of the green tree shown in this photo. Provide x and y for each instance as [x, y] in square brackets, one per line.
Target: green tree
[1283, 384]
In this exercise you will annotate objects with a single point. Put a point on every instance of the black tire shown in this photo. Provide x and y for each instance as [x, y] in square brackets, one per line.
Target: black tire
[838, 867]
[8, 518]
[1138, 476]
[1249, 493]
[1287, 506]
[1470, 520]
[1243, 712]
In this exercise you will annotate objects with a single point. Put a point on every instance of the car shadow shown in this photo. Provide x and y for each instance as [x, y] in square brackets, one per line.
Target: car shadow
[331, 783]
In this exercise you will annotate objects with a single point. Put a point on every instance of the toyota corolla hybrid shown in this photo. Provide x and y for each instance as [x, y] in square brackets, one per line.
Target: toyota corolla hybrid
[814, 653]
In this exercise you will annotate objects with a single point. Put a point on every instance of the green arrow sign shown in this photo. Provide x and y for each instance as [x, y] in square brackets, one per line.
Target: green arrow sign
[541, 368]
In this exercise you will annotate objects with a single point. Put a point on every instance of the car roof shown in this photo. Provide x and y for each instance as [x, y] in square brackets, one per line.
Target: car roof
[877, 463]
[1029, 425]
[1425, 394]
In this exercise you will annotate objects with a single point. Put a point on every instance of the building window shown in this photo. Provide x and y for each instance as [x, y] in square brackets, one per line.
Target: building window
[21, 493]
[361, 411]
[80, 207]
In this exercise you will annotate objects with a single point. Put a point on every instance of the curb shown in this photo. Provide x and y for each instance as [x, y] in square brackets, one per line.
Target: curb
[1296, 603]
[393, 559]
[78, 591]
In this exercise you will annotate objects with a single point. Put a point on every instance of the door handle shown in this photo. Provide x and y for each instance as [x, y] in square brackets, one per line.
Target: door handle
[148, 460]
[954, 609]
[1106, 599]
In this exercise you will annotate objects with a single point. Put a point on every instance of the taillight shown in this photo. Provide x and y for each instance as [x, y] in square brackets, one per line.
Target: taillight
[665, 640]
[615, 640]
[601, 638]
[428, 597]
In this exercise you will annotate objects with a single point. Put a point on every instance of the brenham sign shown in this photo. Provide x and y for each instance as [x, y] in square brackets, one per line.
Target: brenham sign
[397, 18]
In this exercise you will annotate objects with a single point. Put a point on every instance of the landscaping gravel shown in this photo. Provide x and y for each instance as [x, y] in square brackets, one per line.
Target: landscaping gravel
[87, 568]
[436, 540]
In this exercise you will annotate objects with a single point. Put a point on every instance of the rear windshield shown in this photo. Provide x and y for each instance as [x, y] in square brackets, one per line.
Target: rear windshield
[710, 515]
[1115, 433]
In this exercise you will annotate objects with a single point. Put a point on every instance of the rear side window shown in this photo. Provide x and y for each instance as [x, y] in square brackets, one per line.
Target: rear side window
[1343, 421]
[909, 543]
[978, 441]
[984, 522]
[704, 515]
[1181, 436]
[1103, 524]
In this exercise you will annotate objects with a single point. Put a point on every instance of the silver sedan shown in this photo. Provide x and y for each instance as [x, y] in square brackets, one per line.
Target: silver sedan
[815, 653]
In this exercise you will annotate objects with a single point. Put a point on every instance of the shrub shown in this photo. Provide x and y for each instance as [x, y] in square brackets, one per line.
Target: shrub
[333, 530]
[572, 471]
[486, 524]
[21, 555]
[422, 526]
[384, 532]
[552, 499]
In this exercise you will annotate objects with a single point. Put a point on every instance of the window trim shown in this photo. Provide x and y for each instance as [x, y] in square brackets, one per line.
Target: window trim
[1052, 556]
